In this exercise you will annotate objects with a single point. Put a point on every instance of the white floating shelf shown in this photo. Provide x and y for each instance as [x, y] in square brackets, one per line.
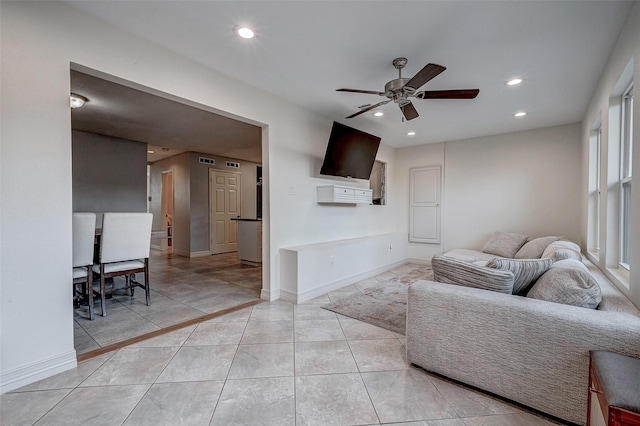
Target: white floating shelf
[338, 194]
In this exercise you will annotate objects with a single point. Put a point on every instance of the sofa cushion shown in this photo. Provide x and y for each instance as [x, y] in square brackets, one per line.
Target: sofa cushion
[525, 271]
[533, 249]
[504, 244]
[469, 255]
[560, 250]
[453, 271]
[570, 285]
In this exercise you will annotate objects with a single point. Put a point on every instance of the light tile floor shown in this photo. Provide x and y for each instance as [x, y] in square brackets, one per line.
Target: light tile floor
[271, 364]
[181, 289]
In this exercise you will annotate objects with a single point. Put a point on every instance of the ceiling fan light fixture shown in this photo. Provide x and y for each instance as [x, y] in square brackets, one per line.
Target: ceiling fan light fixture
[520, 114]
[514, 82]
[243, 31]
[76, 101]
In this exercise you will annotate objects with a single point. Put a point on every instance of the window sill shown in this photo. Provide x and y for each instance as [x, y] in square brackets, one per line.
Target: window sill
[621, 275]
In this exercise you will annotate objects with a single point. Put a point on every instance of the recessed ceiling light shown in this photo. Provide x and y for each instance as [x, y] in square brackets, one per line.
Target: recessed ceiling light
[243, 31]
[514, 82]
[411, 133]
[149, 152]
[520, 114]
[378, 113]
[76, 101]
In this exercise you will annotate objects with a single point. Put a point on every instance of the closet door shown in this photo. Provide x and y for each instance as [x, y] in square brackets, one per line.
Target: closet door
[424, 208]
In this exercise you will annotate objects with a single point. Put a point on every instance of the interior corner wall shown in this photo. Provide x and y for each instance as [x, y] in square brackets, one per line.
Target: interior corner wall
[180, 166]
[524, 182]
[109, 174]
[626, 48]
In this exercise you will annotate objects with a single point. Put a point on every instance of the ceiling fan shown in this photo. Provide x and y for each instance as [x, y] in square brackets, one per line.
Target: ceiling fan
[401, 89]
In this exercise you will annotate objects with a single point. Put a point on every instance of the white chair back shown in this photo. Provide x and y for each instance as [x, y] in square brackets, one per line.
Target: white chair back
[125, 236]
[84, 230]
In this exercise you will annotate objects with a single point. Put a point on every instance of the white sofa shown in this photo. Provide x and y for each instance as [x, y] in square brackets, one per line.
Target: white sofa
[530, 351]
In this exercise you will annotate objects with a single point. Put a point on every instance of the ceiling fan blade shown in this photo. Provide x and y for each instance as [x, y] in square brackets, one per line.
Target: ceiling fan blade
[425, 74]
[409, 111]
[369, 92]
[368, 108]
[448, 94]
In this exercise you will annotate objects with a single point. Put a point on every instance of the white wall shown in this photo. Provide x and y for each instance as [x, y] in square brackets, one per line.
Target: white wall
[407, 158]
[40, 40]
[525, 182]
[626, 48]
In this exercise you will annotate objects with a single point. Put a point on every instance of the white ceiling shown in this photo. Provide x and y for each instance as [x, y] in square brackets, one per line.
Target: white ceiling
[304, 50]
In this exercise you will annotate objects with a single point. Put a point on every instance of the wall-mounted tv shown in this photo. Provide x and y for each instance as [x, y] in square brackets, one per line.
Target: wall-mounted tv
[350, 153]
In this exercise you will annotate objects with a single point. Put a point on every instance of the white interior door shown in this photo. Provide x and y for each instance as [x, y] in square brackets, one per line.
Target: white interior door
[424, 208]
[224, 204]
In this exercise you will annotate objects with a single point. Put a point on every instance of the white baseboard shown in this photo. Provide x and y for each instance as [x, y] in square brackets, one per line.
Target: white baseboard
[419, 261]
[179, 252]
[288, 296]
[319, 291]
[270, 295]
[30, 373]
[203, 253]
[186, 253]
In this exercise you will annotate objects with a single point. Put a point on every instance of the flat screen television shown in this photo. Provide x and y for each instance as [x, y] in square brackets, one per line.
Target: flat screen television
[350, 153]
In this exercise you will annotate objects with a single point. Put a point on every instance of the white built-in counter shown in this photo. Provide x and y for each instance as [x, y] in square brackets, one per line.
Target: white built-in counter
[250, 241]
[311, 270]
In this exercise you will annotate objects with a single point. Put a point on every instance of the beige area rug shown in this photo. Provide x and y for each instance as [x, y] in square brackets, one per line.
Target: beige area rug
[384, 304]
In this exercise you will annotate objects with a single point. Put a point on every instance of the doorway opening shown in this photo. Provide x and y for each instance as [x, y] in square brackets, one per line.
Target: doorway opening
[166, 207]
[183, 274]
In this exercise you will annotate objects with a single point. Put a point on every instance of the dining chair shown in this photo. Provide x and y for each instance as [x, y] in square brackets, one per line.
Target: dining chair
[84, 228]
[125, 243]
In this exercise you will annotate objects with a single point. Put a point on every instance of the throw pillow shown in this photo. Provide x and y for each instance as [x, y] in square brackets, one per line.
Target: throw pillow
[453, 271]
[525, 271]
[504, 244]
[560, 250]
[570, 286]
[534, 248]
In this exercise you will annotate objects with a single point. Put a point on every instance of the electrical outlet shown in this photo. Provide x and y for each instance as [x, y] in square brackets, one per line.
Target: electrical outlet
[331, 260]
[390, 247]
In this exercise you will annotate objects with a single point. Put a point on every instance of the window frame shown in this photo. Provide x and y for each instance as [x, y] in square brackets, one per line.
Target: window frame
[626, 151]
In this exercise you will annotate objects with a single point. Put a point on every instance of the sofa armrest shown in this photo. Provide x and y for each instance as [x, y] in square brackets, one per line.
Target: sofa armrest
[530, 351]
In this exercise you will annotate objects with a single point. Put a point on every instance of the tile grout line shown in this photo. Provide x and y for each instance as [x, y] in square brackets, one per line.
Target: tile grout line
[224, 385]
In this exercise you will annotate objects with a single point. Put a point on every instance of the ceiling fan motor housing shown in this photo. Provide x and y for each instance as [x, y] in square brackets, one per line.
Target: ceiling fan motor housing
[395, 87]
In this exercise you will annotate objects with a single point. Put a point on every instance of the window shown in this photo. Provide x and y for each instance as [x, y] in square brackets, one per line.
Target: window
[595, 193]
[626, 147]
